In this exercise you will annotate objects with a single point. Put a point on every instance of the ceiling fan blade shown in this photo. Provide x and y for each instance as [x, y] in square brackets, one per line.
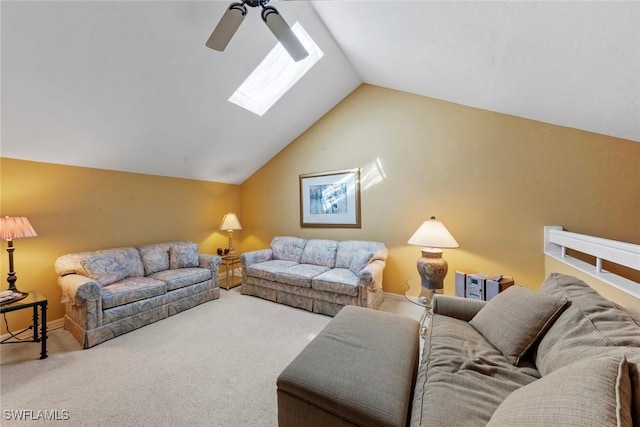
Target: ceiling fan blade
[283, 33]
[227, 27]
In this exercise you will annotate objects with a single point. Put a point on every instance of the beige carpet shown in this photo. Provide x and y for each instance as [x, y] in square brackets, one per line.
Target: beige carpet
[212, 365]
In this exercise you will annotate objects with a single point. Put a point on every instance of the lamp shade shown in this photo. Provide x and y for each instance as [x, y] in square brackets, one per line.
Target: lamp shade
[15, 227]
[230, 222]
[433, 234]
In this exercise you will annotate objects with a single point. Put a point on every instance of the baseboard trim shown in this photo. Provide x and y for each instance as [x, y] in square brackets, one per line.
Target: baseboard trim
[393, 295]
[54, 324]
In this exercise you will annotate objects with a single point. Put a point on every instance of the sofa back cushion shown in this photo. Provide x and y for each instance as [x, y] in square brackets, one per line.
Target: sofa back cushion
[590, 322]
[157, 256]
[591, 326]
[154, 258]
[320, 252]
[183, 255]
[288, 248]
[128, 263]
[348, 249]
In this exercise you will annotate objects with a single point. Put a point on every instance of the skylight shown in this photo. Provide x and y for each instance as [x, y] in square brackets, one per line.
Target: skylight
[275, 75]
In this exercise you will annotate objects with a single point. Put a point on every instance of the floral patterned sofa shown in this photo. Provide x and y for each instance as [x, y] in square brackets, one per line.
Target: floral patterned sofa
[318, 275]
[110, 292]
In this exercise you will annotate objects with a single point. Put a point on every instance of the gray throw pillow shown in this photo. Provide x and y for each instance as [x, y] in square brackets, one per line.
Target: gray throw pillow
[513, 320]
[592, 392]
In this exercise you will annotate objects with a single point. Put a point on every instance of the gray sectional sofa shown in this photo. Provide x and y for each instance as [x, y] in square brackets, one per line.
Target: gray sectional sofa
[562, 356]
[318, 275]
[110, 292]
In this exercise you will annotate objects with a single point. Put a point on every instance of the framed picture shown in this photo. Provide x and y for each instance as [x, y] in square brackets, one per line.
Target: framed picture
[330, 199]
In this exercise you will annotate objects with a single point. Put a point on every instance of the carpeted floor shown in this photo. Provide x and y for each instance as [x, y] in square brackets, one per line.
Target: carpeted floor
[212, 365]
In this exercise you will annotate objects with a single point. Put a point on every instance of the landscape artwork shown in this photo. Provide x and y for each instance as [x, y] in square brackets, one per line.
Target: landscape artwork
[330, 199]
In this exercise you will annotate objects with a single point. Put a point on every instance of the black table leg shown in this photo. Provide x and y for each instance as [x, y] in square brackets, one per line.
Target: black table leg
[43, 350]
[35, 323]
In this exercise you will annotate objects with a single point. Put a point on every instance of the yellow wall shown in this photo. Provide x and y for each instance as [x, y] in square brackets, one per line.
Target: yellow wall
[494, 180]
[75, 209]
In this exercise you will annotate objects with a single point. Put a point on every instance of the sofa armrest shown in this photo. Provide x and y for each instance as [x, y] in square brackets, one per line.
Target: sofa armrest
[212, 262]
[457, 307]
[78, 289]
[371, 275]
[254, 257]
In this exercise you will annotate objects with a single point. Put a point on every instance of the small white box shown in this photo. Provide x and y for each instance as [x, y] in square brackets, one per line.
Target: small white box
[461, 284]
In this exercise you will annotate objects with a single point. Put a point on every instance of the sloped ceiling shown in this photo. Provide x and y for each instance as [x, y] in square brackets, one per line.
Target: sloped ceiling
[130, 85]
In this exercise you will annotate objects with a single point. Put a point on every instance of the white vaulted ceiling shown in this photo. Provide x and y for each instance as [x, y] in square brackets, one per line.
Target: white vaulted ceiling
[130, 86]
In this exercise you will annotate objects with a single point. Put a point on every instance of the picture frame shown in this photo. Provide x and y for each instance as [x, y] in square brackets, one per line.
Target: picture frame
[330, 199]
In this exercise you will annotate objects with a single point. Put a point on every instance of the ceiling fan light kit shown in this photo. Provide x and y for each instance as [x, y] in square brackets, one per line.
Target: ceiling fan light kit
[234, 16]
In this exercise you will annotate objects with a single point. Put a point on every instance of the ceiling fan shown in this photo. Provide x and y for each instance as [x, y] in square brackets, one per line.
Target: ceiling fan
[234, 16]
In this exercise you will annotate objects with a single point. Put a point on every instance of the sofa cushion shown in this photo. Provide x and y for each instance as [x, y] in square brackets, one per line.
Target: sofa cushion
[130, 290]
[590, 324]
[104, 269]
[319, 252]
[348, 248]
[72, 263]
[287, 248]
[269, 270]
[181, 277]
[462, 378]
[154, 258]
[592, 392]
[514, 320]
[359, 261]
[300, 274]
[183, 255]
[336, 280]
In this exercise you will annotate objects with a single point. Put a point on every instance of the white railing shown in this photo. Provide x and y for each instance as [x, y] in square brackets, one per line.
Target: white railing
[557, 241]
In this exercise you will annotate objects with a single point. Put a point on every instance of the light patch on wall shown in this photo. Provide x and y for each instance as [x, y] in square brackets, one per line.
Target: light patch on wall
[275, 75]
[372, 174]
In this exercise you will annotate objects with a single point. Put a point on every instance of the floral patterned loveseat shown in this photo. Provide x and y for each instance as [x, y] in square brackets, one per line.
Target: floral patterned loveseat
[110, 292]
[318, 275]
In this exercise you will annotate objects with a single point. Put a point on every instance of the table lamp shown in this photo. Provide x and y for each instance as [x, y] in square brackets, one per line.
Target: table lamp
[14, 228]
[432, 236]
[230, 223]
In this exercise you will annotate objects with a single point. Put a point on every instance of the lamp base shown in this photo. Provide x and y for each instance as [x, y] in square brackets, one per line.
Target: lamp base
[432, 269]
[12, 282]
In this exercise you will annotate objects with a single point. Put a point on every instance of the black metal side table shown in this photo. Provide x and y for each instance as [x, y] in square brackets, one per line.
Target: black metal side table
[34, 300]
